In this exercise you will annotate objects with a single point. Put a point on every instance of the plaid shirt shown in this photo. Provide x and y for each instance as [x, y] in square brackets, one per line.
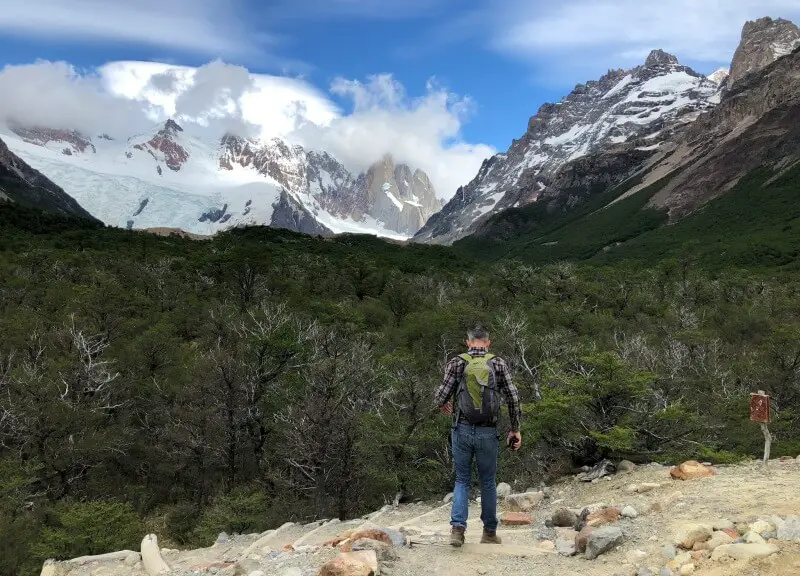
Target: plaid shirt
[509, 392]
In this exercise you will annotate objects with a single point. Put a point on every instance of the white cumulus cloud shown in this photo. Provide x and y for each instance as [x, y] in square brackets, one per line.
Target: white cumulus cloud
[124, 98]
[423, 132]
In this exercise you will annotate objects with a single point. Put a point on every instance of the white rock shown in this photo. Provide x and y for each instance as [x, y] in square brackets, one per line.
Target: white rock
[790, 529]
[447, 499]
[754, 538]
[151, 556]
[744, 551]
[687, 569]
[693, 533]
[723, 524]
[503, 490]
[760, 527]
[718, 539]
[636, 557]
[523, 502]
[131, 559]
[629, 512]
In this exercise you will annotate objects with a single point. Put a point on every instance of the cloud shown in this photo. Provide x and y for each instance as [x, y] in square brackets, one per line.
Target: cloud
[55, 94]
[423, 132]
[366, 9]
[211, 27]
[125, 98]
[612, 33]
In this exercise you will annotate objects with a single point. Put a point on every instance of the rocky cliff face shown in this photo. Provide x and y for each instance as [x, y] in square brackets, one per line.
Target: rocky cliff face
[646, 104]
[21, 183]
[763, 41]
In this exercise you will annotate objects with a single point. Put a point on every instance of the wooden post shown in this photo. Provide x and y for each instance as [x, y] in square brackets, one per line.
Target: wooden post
[767, 443]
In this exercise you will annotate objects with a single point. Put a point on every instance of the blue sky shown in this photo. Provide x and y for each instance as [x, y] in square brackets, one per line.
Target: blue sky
[496, 61]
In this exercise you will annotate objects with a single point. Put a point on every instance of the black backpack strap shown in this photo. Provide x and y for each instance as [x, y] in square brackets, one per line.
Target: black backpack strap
[459, 383]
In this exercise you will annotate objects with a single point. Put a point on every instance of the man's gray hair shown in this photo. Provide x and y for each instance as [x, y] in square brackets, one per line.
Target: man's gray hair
[478, 333]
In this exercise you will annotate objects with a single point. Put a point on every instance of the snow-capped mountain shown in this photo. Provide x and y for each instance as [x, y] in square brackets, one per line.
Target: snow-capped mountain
[646, 103]
[168, 177]
[22, 184]
[719, 76]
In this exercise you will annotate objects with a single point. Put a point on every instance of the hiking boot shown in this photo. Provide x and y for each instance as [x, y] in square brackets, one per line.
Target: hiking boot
[457, 536]
[490, 537]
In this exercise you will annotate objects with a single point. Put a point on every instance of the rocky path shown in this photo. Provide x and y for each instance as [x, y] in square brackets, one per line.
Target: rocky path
[727, 518]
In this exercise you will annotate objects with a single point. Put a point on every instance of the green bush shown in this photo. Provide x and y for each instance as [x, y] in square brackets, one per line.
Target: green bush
[243, 511]
[86, 528]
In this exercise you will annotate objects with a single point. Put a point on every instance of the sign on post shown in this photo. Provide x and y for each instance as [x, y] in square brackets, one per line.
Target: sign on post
[760, 412]
[759, 407]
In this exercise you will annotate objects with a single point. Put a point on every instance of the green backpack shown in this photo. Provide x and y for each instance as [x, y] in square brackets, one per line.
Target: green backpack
[478, 398]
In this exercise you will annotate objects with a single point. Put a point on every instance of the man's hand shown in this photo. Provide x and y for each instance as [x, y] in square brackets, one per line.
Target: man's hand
[514, 441]
[447, 409]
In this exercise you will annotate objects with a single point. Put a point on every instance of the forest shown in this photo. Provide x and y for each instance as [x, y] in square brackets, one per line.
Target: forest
[189, 387]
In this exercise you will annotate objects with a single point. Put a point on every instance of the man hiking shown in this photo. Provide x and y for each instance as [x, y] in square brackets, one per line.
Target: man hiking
[479, 383]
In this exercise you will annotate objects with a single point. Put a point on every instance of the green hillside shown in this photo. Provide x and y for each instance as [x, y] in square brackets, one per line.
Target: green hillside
[753, 225]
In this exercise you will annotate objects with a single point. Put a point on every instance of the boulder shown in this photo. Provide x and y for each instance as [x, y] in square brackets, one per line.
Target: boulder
[55, 568]
[523, 502]
[603, 517]
[503, 490]
[626, 466]
[601, 540]
[564, 517]
[744, 551]
[693, 533]
[151, 556]
[516, 519]
[789, 529]
[691, 470]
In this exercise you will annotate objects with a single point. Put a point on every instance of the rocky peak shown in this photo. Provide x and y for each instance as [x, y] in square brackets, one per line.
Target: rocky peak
[70, 141]
[660, 58]
[719, 76]
[763, 41]
[165, 147]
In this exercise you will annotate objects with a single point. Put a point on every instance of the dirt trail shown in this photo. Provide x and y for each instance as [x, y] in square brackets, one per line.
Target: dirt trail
[741, 494]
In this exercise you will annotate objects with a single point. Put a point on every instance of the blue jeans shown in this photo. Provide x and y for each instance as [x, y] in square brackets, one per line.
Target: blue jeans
[482, 444]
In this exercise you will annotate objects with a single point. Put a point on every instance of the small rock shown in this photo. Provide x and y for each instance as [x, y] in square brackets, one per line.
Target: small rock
[601, 540]
[523, 502]
[582, 539]
[131, 559]
[732, 532]
[635, 557]
[760, 527]
[566, 546]
[790, 529]
[754, 538]
[718, 538]
[384, 551]
[626, 466]
[503, 490]
[692, 533]
[629, 512]
[669, 552]
[564, 517]
[744, 551]
[447, 499]
[603, 517]
[723, 524]
[769, 535]
[686, 569]
[644, 572]
[682, 558]
[546, 545]
[516, 519]
[691, 470]
[665, 572]
[222, 538]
